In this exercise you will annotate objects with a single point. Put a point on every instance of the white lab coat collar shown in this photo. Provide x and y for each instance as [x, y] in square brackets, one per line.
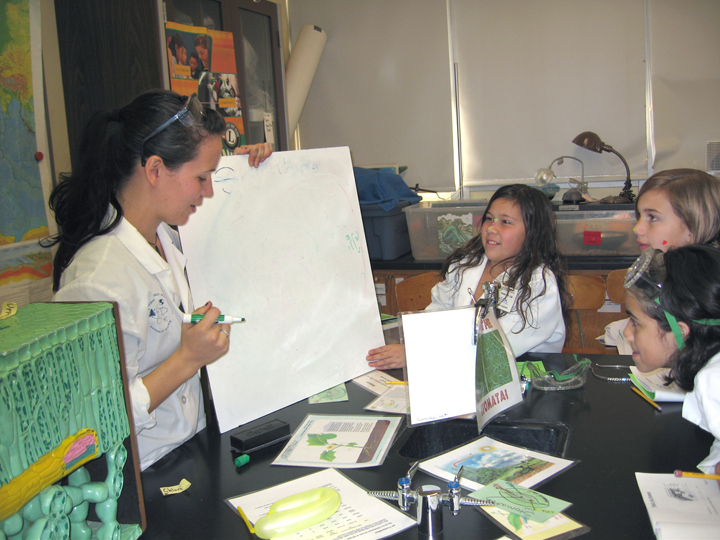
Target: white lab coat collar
[473, 275]
[170, 274]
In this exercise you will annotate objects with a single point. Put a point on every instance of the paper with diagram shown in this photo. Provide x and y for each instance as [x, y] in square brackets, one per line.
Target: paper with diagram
[681, 508]
[340, 441]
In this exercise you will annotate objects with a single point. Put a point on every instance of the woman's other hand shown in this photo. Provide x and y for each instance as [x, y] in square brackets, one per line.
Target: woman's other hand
[257, 153]
[387, 357]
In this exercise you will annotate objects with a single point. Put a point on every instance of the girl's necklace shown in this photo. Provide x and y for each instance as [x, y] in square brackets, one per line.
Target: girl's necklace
[155, 244]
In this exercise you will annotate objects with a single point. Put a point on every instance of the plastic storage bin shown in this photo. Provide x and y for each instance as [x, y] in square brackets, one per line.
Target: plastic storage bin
[596, 233]
[437, 229]
[386, 232]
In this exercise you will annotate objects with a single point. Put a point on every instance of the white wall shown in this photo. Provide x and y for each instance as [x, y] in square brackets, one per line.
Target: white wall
[685, 36]
[643, 74]
[383, 84]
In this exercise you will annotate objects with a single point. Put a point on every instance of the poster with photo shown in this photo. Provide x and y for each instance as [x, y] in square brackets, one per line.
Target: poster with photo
[203, 61]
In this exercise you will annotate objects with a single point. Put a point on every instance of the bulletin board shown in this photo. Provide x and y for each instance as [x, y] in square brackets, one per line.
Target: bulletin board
[283, 246]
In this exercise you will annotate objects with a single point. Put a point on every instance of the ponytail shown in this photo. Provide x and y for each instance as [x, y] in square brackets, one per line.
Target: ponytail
[111, 145]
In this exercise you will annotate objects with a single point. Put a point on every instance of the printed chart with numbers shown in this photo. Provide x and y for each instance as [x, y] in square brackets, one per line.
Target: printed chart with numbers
[360, 516]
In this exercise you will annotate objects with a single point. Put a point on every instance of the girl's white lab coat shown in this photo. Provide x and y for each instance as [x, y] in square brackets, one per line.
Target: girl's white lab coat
[544, 329]
[702, 407]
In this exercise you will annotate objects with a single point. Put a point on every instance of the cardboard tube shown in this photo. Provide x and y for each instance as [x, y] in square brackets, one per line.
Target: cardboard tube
[300, 71]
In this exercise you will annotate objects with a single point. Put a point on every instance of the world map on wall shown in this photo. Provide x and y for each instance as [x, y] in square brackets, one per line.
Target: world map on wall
[22, 209]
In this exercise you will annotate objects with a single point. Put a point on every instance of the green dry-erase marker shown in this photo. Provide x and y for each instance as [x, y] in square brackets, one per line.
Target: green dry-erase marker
[197, 317]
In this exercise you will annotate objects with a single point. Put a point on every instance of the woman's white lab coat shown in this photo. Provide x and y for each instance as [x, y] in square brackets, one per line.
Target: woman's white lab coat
[122, 267]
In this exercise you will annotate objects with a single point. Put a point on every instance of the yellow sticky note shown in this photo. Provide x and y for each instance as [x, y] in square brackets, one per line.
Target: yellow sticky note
[172, 490]
[8, 310]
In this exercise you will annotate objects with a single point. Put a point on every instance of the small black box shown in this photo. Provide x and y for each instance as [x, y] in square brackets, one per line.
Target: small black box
[250, 439]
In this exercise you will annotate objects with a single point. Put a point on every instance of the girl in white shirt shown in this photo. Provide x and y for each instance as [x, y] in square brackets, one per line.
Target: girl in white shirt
[673, 300]
[516, 247]
[141, 169]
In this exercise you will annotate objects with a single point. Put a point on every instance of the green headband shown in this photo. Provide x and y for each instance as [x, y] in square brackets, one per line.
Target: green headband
[672, 321]
[640, 270]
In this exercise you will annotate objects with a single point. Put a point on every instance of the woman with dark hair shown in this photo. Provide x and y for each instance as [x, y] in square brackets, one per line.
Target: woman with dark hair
[145, 168]
[673, 300]
[516, 247]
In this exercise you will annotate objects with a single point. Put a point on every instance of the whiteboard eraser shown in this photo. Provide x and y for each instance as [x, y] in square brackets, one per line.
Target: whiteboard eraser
[250, 439]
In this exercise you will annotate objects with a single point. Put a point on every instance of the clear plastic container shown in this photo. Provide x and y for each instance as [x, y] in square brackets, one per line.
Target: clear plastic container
[435, 231]
[596, 233]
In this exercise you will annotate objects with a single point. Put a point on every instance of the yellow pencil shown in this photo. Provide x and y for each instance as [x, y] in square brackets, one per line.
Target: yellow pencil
[395, 382]
[650, 401]
[246, 520]
[697, 475]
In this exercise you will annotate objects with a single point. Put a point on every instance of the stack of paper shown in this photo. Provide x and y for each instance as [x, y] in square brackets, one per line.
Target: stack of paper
[652, 384]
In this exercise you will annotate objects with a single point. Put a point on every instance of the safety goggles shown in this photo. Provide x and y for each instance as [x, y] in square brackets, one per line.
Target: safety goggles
[193, 113]
[648, 274]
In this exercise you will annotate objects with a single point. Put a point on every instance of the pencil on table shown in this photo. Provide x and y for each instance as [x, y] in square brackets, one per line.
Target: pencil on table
[650, 401]
[680, 474]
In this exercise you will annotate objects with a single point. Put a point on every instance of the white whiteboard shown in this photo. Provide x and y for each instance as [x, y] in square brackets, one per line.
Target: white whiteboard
[283, 246]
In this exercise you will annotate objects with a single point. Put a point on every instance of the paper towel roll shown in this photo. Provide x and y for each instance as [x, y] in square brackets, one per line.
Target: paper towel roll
[300, 71]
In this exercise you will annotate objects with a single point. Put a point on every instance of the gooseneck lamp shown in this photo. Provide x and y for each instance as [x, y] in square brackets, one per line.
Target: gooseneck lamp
[591, 141]
[573, 195]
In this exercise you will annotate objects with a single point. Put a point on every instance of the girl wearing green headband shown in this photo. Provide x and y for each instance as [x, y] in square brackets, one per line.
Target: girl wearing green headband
[673, 300]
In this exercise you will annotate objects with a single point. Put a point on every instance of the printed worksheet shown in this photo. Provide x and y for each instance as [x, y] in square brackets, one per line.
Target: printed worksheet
[375, 381]
[681, 508]
[360, 516]
[394, 400]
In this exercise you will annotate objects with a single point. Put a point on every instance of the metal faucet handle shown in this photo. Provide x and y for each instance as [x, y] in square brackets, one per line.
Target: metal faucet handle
[412, 470]
[458, 474]
[472, 501]
[387, 495]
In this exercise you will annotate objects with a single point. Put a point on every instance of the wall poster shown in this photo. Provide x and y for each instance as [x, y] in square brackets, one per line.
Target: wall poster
[202, 60]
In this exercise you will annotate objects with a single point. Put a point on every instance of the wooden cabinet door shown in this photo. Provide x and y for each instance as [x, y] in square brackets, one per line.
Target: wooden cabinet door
[109, 53]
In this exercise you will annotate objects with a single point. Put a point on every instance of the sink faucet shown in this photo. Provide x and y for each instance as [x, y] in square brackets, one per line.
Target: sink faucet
[430, 500]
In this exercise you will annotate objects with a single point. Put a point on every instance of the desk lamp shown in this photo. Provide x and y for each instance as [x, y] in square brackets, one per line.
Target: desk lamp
[572, 195]
[591, 141]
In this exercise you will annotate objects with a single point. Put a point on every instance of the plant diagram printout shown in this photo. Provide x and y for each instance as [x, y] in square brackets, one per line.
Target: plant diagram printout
[340, 441]
[486, 460]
